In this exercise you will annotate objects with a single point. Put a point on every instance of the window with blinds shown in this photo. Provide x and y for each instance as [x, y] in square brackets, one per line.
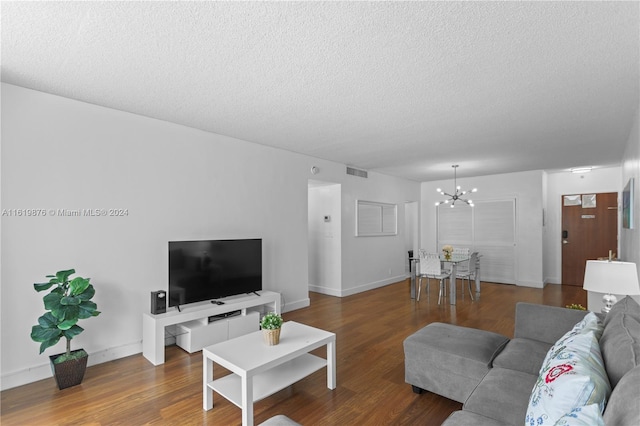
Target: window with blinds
[488, 228]
[376, 219]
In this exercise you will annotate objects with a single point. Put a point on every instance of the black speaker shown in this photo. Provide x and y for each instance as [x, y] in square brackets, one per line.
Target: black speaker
[158, 302]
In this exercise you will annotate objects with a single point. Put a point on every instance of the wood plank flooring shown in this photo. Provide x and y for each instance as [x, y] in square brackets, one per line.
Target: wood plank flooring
[370, 329]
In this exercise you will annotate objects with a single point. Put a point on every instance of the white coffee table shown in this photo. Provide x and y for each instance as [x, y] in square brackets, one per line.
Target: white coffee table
[260, 370]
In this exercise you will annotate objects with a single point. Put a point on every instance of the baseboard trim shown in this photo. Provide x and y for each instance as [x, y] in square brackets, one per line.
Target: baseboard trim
[298, 304]
[534, 284]
[359, 289]
[324, 290]
[43, 371]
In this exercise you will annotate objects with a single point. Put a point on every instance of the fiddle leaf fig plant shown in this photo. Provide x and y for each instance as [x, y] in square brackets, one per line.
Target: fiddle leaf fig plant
[67, 302]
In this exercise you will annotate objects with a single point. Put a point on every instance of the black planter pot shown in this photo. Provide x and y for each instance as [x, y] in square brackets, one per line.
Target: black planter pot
[69, 373]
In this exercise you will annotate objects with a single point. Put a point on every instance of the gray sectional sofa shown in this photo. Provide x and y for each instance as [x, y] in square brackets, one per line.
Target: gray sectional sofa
[562, 367]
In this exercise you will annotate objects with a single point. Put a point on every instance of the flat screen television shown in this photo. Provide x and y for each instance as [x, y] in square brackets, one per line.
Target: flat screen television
[213, 269]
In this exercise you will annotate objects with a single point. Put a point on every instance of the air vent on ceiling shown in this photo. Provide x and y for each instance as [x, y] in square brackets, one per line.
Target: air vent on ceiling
[356, 172]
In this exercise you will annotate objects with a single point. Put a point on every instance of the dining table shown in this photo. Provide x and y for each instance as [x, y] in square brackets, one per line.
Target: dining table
[454, 260]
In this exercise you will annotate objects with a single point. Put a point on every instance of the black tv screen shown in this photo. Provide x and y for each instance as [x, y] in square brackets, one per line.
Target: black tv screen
[213, 269]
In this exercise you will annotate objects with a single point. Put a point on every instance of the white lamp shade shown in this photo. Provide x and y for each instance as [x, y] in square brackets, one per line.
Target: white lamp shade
[603, 276]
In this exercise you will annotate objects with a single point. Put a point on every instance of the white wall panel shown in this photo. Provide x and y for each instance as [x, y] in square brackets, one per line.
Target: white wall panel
[488, 228]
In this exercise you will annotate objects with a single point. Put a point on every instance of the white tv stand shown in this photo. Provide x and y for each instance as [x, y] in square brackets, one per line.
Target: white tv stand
[153, 325]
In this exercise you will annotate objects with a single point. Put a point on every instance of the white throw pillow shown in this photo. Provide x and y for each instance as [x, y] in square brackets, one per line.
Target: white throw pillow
[589, 415]
[572, 375]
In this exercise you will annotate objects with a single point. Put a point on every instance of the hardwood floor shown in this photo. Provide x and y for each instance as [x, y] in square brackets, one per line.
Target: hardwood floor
[370, 329]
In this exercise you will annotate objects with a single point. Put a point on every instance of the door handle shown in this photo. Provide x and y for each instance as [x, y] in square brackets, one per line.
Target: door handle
[565, 242]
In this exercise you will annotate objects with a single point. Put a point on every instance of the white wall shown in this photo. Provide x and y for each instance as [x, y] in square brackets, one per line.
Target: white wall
[325, 251]
[382, 258]
[630, 238]
[526, 188]
[564, 183]
[176, 183]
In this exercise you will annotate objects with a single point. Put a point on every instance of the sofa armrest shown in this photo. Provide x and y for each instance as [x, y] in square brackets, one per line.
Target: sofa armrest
[544, 323]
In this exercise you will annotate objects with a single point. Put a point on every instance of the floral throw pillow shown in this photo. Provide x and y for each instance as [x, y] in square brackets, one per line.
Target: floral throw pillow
[572, 375]
[589, 415]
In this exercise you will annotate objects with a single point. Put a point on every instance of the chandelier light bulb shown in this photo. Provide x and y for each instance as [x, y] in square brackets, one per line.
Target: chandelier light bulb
[457, 194]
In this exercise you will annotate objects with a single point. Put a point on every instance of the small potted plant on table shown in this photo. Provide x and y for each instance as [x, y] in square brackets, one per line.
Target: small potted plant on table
[271, 324]
[68, 302]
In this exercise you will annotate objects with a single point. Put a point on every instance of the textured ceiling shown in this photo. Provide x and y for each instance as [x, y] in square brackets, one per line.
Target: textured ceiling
[402, 88]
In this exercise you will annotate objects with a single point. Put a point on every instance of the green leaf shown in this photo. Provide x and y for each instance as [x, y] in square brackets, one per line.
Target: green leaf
[52, 302]
[72, 332]
[48, 344]
[48, 321]
[67, 312]
[41, 334]
[66, 325]
[87, 310]
[78, 285]
[63, 276]
[87, 294]
[70, 300]
[42, 286]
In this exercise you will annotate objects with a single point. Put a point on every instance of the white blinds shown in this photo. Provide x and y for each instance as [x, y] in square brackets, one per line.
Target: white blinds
[455, 226]
[488, 228]
[376, 218]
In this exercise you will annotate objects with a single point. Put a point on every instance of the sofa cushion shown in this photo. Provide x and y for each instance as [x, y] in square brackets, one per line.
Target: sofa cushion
[620, 344]
[502, 395]
[572, 375]
[623, 407]
[522, 355]
[588, 415]
[625, 306]
[450, 360]
[466, 418]
[544, 323]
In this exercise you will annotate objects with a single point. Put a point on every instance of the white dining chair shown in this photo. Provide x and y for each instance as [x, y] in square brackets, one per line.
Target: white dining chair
[430, 268]
[461, 251]
[467, 271]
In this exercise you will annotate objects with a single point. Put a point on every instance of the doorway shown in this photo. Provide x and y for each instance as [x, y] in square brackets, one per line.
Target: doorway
[411, 232]
[324, 239]
[589, 232]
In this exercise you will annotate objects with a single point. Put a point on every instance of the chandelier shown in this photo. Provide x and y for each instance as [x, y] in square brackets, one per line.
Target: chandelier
[457, 195]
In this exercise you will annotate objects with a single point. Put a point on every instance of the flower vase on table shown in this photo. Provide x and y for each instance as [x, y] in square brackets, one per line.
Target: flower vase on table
[447, 251]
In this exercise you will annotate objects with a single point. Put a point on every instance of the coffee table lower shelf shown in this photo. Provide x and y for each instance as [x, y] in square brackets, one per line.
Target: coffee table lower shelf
[270, 381]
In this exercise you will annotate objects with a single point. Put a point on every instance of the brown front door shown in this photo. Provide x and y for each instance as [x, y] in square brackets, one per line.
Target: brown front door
[589, 231]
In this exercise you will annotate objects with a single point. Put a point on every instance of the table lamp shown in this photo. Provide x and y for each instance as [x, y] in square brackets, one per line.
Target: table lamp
[605, 276]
